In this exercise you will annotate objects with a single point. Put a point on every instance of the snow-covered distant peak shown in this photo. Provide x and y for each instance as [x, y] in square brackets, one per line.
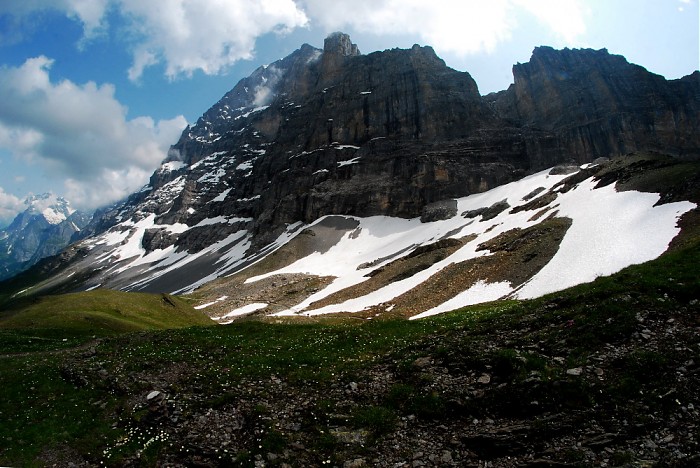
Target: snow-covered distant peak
[54, 209]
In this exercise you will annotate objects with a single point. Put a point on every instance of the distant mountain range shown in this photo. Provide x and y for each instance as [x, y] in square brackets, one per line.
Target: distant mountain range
[331, 181]
[43, 229]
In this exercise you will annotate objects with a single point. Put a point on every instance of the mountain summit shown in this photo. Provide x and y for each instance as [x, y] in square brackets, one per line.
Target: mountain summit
[43, 229]
[364, 177]
[53, 209]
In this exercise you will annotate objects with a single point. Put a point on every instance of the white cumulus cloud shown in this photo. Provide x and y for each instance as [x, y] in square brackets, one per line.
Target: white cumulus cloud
[79, 132]
[463, 27]
[210, 35]
[185, 35]
[565, 18]
[189, 35]
[10, 205]
[91, 13]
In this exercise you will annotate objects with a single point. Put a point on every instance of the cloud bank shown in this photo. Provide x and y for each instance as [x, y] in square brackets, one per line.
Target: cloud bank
[210, 35]
[79, 133]
[464, 27]
[185, 35]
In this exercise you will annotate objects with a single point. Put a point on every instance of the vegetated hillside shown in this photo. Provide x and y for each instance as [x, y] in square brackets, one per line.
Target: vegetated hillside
[604, 373]
[379, 188]
[61, 321]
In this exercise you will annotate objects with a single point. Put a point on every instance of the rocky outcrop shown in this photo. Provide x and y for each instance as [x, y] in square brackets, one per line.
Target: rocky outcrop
[332, 131]
[598, 104]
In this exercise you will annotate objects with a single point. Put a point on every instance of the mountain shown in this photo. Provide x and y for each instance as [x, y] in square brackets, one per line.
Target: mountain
[385, 183]
[43, 229]
[598, 104]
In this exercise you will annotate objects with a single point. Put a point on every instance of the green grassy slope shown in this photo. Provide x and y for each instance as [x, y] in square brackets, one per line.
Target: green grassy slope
[600, 371]
[65, 320]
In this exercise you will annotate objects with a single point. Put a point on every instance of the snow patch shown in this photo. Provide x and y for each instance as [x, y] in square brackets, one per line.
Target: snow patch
[53, 209]
[172, 166]
[349, 162]
[222, 196]
[52, 216]
[207, 160]
[609, 231]
[221, 220]
[478, 293]
[204, 306]
[213, 177]
[245, 310]
[254, 110]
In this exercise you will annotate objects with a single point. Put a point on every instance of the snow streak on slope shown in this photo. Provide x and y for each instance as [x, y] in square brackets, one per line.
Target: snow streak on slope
[382, 237]
[478, 293]
[607, 231]
[122, 254]
[610, 230]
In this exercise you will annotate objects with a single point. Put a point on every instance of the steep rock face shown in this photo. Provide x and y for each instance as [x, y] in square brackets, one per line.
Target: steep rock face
[598, 104]
[331, 131]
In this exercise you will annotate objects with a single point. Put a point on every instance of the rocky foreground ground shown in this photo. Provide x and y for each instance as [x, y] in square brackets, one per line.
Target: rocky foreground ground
[601, 375]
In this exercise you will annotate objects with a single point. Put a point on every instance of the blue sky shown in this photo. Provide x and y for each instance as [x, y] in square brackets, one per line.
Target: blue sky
[93, 92]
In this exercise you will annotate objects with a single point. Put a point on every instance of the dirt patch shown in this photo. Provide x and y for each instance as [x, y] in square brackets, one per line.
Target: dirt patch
[282, 290]
[420, 259]
[517, 255]
[487, 213]
[690, 230]
[537, 203]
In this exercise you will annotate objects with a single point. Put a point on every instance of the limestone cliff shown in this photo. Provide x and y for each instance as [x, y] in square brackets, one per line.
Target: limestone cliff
[598, 104]
[335, 132]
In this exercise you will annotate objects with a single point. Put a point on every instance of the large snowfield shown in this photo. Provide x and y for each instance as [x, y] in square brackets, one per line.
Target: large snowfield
[609, 230]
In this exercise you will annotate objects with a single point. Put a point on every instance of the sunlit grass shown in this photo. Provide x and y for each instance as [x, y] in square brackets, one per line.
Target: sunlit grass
[44, 405]
[56, 322]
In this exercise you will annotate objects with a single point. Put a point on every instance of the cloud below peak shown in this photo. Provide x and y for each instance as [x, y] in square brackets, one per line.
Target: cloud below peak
[10, 205]
[79, 132]
[185, 35]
